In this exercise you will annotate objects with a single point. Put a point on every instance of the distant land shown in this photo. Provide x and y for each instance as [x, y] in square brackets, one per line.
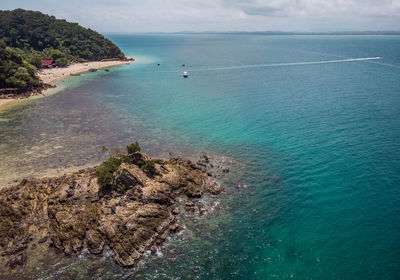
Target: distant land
[271, 32]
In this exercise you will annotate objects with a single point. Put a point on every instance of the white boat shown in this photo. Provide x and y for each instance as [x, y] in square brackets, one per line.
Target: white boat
[185, 74]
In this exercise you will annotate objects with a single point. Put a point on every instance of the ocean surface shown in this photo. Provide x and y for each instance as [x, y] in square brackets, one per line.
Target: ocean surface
[317, 144]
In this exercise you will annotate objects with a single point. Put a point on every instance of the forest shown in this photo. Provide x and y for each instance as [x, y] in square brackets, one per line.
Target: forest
[28, 37]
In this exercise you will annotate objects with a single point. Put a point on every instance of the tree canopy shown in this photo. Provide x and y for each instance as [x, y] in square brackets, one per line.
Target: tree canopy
[28, 37]
[15, 71]
[36, 31]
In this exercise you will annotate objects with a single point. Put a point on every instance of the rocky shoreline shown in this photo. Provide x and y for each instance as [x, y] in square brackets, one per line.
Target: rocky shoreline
[72, 213]
[27, 92]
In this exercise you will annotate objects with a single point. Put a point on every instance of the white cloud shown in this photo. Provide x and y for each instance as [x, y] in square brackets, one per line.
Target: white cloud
[222, 15]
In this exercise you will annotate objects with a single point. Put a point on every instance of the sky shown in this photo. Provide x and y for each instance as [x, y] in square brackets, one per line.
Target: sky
[221, 15]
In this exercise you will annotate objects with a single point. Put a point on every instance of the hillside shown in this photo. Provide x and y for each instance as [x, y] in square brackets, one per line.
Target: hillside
[30, 30]
[27, 38]
[15, 72]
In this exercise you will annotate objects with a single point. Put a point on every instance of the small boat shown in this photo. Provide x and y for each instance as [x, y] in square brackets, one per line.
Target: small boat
[75, 74]
[107, 70]
[158, 64]
[183, 65]
[185, 74]
[92, 69]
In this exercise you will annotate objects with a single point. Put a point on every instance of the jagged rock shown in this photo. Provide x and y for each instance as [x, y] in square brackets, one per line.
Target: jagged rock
[204, 155]
[72, 185]
[69, 211]
[18, 260]
[69, 193]
[213, 188]
[201, 164]
[174, 228]
[175, 211]
[43, 239]
[189, 206]
[95, 241]
[15, 196]
[138, 158]
[123, 177]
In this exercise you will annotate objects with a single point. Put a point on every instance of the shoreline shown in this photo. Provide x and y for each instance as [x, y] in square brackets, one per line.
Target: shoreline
[53, 75]
[4, 102]
[49, 76]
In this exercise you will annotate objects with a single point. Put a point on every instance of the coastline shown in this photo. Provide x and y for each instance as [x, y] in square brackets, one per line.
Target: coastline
[50, 76]
[4, 102]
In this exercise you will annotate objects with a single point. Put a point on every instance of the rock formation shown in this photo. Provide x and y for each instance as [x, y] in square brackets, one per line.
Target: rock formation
[73, 212]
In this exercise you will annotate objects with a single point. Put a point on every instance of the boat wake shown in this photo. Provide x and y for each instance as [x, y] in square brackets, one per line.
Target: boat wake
[287, 64]
[277, 64]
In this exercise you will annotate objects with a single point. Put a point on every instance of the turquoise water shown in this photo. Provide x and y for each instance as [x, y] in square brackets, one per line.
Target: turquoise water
[318, 146]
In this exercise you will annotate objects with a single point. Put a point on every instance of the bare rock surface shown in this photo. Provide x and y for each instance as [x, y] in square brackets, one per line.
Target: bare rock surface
[71, 213]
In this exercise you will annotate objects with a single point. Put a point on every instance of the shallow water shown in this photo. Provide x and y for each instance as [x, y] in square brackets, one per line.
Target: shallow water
[317, 144]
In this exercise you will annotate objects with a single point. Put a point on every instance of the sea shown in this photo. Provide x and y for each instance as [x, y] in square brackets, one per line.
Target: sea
[309, 124]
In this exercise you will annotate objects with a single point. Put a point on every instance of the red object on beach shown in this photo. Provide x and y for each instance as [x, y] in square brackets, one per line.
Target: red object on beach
[47, 62]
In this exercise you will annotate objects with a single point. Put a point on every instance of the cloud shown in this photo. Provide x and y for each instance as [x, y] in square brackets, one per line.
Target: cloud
[260, 11]
[222, 15]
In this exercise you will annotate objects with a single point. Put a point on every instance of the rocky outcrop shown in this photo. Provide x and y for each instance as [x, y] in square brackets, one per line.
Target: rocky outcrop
[71, 213]
[25, 92]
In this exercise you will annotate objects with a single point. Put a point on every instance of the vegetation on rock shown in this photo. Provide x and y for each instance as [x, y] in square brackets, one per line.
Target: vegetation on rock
[105, 171]
[107, 176]
[71, 214]
[133, 148]
[149, 167]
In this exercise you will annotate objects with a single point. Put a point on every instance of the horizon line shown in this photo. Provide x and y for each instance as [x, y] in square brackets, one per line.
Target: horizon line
[366, 32]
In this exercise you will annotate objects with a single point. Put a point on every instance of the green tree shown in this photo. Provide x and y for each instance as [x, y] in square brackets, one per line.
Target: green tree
[34, 30]
[15, 71]
[35, 58]
[133, 148]
[104, 172]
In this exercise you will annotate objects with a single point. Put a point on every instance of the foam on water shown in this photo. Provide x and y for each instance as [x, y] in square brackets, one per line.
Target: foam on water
[283, 64]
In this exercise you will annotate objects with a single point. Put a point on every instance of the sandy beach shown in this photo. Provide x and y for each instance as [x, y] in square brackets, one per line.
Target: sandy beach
[3, 102]
[49, 76]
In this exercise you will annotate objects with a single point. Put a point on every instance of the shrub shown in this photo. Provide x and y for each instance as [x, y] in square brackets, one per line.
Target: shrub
[104, 172]
[127, 159]
[133, 148]
[34, 58]
[122, 188]
[149, 167]
[61, 61]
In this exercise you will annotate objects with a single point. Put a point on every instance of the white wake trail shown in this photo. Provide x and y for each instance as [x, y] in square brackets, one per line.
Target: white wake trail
[287, 64]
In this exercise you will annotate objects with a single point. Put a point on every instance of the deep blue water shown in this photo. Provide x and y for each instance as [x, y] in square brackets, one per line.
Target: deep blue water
[318, 145]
